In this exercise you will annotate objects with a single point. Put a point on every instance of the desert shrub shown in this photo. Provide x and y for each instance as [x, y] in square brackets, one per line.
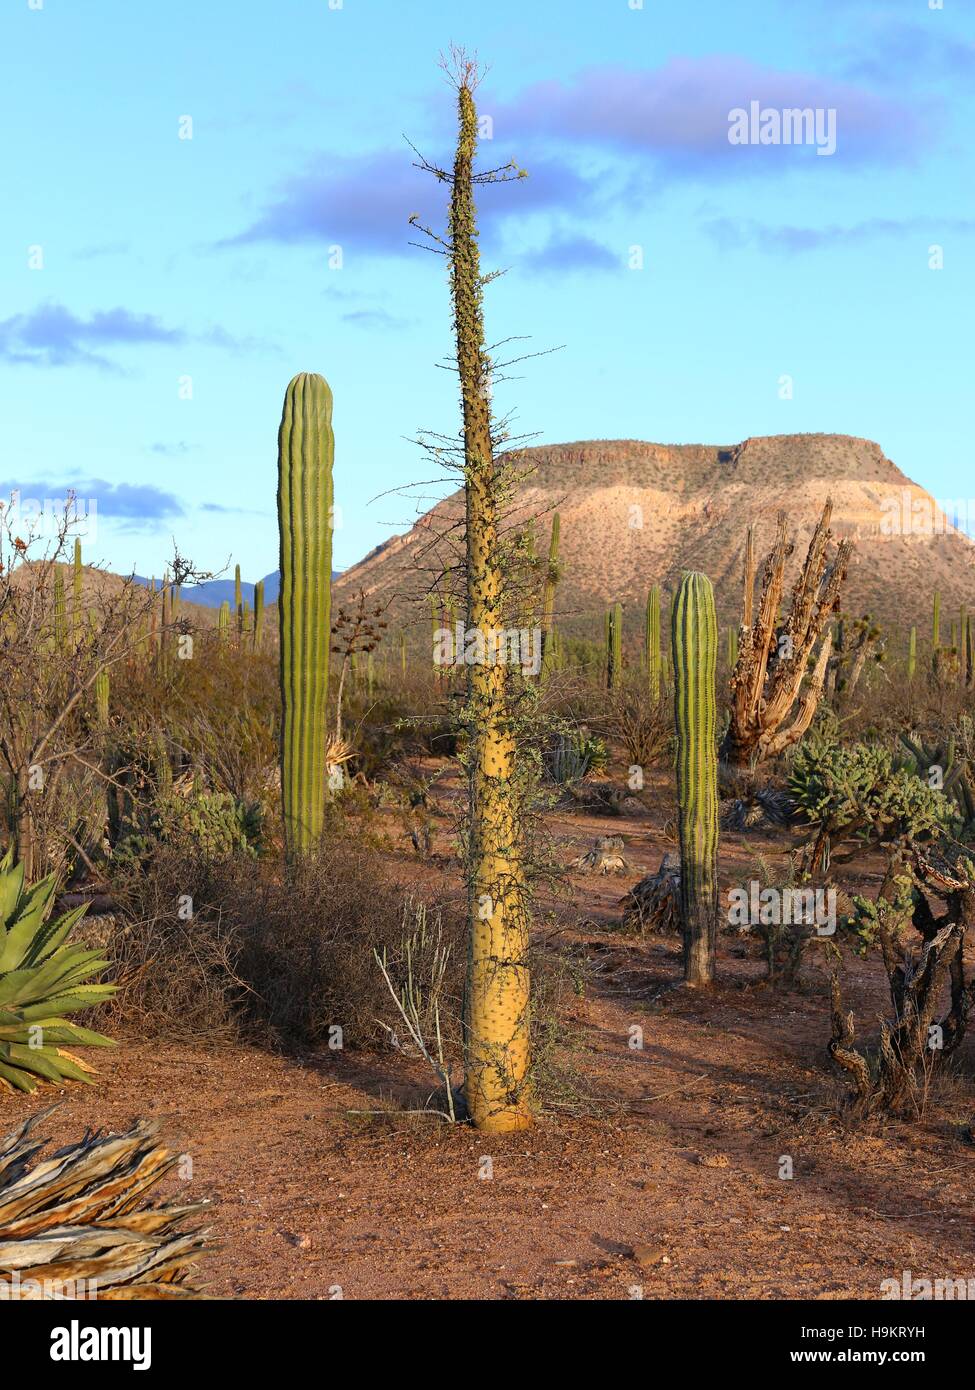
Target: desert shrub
[251, 949]
[643, 726]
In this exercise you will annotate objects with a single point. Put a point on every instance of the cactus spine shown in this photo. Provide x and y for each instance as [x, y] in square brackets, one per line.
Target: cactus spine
[548, 600]
[695, 647]
[653, 642]
[306, 449]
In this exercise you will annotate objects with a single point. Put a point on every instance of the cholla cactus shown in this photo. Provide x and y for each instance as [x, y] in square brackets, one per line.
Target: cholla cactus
[695, 647]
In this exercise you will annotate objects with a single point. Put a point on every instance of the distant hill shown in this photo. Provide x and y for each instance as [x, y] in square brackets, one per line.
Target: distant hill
[635, 514]
[215, 591]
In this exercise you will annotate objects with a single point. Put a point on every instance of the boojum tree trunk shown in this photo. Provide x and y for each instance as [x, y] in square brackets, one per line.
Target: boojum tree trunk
[496, 1082]
[695, 647]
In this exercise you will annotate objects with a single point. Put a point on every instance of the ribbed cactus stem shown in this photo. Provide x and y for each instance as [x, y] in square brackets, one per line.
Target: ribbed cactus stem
[936, 626]
[653, 642]
[695, 648]
[77, 587]
[614, 646]
[223, 621]
[102, 699]
[238, 602]
[60, 613]
[258, 612]
[548, 598]
[305, 457]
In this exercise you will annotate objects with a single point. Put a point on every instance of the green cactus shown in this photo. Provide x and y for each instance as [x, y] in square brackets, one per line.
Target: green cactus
[306, 450]
[60, 612]
[548, 599]
[695, 648]
[223, 621]
[238, 602]
[258, 612]
[101, 699]
[936, 630]
[653, 642]
[732, 647]
[78, 585]
[614, 646]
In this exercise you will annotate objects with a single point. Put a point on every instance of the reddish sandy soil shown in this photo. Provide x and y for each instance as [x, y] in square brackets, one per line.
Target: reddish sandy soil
[672, 1189]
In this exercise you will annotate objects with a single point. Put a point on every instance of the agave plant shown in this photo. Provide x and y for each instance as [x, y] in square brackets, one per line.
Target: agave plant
[42, 978]
[74, 1225]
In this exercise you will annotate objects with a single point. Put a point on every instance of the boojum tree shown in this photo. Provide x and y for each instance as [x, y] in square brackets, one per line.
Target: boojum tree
[496, 1053]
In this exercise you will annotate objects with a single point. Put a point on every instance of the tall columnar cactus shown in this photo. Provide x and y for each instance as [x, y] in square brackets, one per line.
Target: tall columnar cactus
[306, 449]
[223, 621]
[653, 642]
[548, 599]
[963, 626]
[238, 603]
[78, 587]
[614, 646]
[695, 647]
[936, 627]
[912, 654]
[60, 613]
[258, 612]
[732, 648]
[102, 699]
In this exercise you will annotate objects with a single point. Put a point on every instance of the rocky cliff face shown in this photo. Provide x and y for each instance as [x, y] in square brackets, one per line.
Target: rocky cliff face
[636, 514]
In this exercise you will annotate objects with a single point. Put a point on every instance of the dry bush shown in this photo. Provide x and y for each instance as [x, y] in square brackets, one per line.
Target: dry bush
[272, 954]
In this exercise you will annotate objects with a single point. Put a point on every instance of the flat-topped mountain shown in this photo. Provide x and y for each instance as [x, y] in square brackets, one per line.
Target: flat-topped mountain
[635, 514]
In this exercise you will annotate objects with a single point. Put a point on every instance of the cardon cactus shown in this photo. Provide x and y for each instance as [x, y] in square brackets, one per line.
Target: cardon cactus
[60, 613]
[223, 621]
[258, 612]
[548, 598]
[695, 647]
[614, 654]
[653, 642]
[306, 450]
[101, 699]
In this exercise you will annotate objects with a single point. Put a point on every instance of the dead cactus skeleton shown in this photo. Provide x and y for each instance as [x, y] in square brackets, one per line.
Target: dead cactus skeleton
[773, 660]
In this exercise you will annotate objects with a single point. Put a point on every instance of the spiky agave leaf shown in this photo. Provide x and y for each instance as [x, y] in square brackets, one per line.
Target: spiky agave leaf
[77, 1220]
[42, 978]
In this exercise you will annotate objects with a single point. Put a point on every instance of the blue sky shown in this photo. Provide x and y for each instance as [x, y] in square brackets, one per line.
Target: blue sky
[163, 258]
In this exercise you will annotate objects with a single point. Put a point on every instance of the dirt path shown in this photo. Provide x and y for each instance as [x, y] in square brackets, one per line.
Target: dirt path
[684, 1162]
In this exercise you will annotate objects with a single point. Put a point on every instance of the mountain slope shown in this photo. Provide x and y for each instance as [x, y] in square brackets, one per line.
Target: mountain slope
[635, 514]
